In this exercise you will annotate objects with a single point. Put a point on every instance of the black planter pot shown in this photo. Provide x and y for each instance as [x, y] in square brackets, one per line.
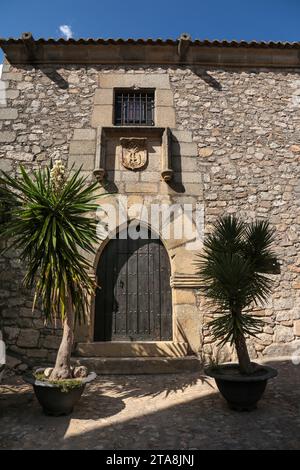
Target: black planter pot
[53, 400]
[242, 392]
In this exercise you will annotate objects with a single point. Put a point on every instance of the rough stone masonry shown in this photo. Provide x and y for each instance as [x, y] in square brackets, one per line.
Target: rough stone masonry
[236, 125]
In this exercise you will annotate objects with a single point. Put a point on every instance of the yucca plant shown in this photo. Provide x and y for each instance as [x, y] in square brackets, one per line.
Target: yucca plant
[50, 223]
[234, 268]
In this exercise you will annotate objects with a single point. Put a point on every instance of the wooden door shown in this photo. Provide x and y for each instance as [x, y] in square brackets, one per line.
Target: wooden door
[134, 302]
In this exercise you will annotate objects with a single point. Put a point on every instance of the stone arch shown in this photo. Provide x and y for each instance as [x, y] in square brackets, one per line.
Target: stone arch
[136, 301]
[122, 226]
[186, 316]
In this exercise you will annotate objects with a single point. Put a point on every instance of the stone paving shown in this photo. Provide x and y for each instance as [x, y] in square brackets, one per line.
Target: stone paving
[181, 411]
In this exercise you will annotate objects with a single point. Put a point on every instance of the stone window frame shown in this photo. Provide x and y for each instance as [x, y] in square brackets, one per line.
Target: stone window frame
[104, 105]
[103, 110]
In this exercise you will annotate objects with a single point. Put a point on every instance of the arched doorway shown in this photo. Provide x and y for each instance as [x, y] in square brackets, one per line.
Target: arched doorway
[134, 302]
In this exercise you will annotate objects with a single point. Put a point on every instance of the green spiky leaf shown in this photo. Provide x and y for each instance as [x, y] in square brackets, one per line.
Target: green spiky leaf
[53, 231]
[233, 268]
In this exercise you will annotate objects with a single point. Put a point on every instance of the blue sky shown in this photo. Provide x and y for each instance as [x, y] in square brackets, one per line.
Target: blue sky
[214, 19]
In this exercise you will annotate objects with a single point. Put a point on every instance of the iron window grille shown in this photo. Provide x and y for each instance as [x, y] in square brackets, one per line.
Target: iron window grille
[134, 108]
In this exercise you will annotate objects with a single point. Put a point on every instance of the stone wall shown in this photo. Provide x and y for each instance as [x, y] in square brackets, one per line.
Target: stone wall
[236, 149]
[246, 125]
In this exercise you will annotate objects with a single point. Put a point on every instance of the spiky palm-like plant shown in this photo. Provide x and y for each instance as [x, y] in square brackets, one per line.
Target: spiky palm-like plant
[234, 268]
[50, 223]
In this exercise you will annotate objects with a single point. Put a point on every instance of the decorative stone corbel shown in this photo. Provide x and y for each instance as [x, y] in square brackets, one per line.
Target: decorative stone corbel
[99, 174]
[183, 45]
[166, 168]
[29, 44]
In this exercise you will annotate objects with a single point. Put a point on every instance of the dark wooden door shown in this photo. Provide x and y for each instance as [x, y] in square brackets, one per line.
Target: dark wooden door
[134, 302]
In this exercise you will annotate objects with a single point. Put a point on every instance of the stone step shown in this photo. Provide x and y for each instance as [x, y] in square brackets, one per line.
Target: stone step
[139, 365]
[132, 349]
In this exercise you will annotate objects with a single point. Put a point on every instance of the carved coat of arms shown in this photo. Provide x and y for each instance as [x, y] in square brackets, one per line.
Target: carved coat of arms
[134, 152]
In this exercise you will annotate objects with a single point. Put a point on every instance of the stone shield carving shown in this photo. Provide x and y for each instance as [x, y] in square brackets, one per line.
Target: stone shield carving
[134, 152]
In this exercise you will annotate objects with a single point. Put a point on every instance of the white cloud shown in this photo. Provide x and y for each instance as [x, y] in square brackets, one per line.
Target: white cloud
[66, 30]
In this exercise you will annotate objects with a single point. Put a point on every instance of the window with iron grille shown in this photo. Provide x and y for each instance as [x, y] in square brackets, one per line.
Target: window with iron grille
[134, 108]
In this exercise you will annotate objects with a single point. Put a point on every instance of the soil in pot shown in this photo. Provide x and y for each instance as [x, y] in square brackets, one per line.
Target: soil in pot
[58, 398]
[242, 392]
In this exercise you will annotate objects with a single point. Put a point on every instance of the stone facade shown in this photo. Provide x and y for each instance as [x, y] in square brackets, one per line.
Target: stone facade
[235, 149]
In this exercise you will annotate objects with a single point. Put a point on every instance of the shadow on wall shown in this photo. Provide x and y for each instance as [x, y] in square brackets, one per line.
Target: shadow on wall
[201, 71]
[176, 182]
[54, 76]
[52, 73]
[209, 79]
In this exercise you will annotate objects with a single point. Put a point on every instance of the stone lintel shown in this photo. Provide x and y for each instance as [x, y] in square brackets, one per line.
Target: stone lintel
[144, 80]
[133, 131]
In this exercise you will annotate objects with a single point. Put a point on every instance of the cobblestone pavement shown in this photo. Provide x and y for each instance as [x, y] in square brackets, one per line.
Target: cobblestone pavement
[181, 411]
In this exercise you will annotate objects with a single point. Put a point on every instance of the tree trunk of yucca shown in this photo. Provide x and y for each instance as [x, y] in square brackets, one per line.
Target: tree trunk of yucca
[243, 355]
[62, 368]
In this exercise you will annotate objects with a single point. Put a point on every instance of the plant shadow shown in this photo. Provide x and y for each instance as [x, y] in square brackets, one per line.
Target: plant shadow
[158, 412]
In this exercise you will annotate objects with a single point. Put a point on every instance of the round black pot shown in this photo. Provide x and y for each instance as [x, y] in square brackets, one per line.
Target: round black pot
[242, 392]
[53, 400]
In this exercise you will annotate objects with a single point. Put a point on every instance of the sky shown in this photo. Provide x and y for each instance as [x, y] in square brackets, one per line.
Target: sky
[267, 20]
